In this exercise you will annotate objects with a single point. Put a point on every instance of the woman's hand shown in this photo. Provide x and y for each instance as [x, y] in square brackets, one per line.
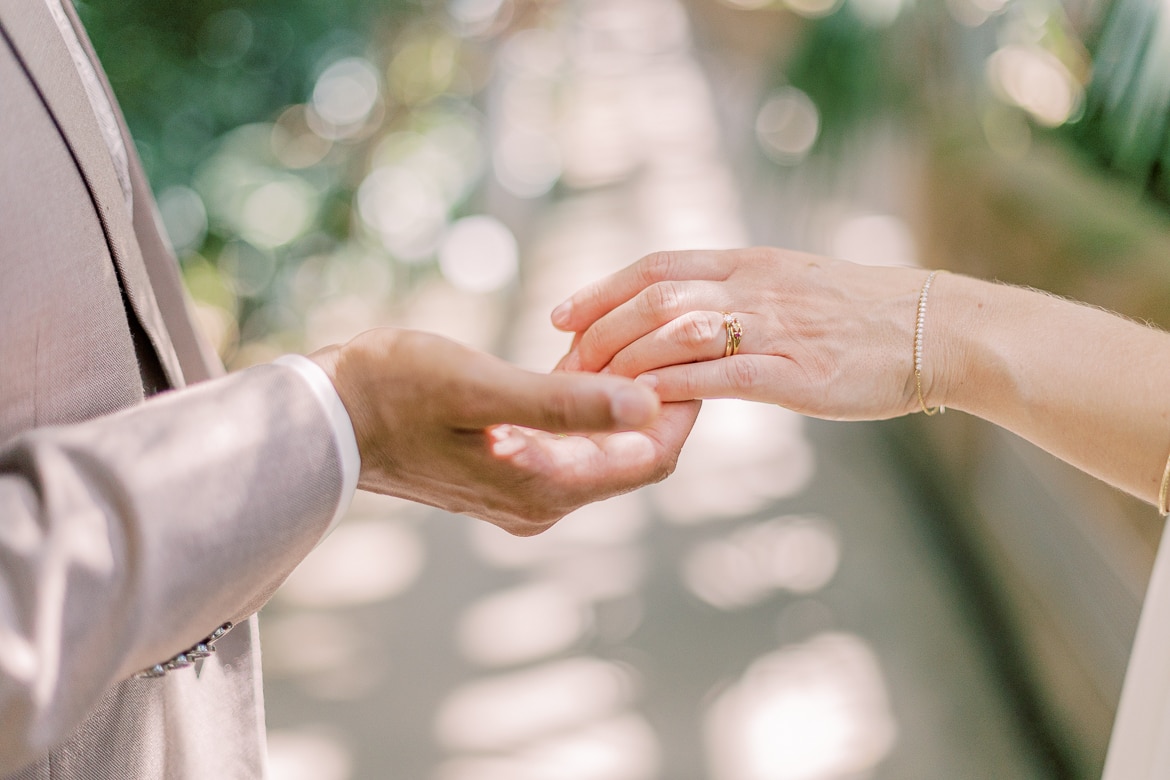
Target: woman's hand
[823, 337]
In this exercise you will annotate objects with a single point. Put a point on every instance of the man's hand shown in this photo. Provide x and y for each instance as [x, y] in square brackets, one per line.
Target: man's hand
[442, 424]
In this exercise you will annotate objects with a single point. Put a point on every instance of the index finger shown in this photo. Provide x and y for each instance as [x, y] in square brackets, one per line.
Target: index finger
[593, 301]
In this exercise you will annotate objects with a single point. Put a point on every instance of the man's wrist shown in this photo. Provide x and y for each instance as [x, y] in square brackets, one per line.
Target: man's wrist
[319, 381]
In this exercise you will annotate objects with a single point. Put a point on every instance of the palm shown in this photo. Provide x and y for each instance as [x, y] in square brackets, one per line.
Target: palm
[580, 466]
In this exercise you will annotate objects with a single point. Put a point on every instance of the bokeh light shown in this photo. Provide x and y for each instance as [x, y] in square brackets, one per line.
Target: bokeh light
[423, 68]
[250, 268]
[344, 96]
[813, 9]
[787, 126]
[533, 54]
[479, 254]
[358, 563]
[748, 5]
[278, 211]
[875, 239]
[477, 17]
[620, 748]
[514, 709]
[742, 456]
[294, 142]
[797, 554]
[814, 711]
[1036, 81]
[405, 210]
[184, 217]
[973, 13]
[520, 625]
[878, 13]
[307, 754]
[526, 163]
[615, 522]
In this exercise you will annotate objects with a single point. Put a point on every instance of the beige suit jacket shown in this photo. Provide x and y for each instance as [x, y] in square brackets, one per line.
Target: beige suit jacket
[129, 528]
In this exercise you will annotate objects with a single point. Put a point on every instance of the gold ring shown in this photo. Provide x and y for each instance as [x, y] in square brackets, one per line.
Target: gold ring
[734, 330]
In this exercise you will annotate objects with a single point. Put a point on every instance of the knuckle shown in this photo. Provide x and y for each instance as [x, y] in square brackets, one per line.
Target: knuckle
[625, 364]
[590, 344]
[742, 374]
[657, 266]
[696, 330]
[689, 384]
[662, 299]
[594, 297]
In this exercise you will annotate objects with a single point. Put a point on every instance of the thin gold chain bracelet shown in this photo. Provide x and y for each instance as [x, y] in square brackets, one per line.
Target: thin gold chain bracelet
[919, 330]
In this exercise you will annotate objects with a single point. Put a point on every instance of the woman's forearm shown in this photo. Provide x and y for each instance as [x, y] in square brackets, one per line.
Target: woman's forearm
[1089, 386]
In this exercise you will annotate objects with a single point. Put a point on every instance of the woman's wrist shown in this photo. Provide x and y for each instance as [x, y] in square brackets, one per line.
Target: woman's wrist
[966, 358]
[1080, 382]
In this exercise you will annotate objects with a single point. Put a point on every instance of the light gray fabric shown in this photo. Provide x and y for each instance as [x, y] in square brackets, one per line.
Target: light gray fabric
[129, 528]
[1139, 747]
[98, 100]
[127, 539]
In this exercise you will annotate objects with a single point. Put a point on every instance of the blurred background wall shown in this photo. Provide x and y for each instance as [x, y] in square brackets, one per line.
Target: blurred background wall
[801, 600]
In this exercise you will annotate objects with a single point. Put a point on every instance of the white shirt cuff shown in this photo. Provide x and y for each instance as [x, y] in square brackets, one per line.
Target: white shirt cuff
[351, 462]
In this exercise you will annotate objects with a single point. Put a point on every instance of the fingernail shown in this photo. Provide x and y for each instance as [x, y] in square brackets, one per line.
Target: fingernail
[572, 362]
[649, 380]
[560, 315]
[629, 408]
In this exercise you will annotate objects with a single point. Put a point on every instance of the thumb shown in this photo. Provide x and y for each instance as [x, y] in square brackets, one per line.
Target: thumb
[564, 402]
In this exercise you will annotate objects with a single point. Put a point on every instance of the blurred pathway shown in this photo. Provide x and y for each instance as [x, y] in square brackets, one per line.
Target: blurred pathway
[773, 611]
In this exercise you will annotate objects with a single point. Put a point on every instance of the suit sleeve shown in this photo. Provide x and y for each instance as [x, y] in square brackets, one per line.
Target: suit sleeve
[126, 539]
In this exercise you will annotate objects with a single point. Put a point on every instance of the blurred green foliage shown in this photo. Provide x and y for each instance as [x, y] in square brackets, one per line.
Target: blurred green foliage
[854, 72]
[1127, 119]
[186, 73]
[930, 70]
[258, 188]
